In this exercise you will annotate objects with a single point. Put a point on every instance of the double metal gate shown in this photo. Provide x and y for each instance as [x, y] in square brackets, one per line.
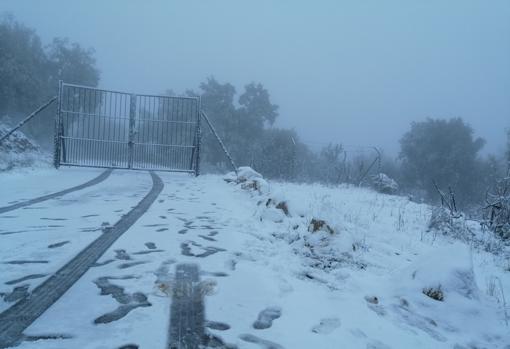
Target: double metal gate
[101, 128]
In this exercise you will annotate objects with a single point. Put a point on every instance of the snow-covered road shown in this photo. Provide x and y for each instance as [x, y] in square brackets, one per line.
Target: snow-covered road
[262, 280]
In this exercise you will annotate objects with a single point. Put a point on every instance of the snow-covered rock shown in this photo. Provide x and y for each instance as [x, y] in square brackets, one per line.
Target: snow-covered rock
[384, 184]
[248, 179]
[447, 269]
[18, 151]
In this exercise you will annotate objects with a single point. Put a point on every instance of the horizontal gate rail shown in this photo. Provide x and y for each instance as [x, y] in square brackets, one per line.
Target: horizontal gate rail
[113, 129]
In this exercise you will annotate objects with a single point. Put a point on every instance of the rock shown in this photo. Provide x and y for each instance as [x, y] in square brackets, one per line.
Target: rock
[319, 225]
[19, 151]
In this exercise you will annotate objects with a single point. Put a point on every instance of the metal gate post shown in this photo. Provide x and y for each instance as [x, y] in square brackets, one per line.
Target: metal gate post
[58, 128]
[131, 137]
[199, 138]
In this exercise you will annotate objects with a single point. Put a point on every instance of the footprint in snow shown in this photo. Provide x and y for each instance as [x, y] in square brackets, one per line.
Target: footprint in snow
[16, 294]
[150, 245]
[126, 301]
[24, 278]
[377, 345]
[219, 326]
[122, 254]
[266, 318]
[59, 244]
[264, 343]
[131, 264]
[326, 326]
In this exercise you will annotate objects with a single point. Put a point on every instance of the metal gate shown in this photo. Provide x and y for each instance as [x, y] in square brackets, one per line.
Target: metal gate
[102, 128]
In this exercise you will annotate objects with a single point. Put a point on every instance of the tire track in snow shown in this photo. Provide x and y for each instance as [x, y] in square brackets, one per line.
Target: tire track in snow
[17, 318]
[187, 309]
[90, 183]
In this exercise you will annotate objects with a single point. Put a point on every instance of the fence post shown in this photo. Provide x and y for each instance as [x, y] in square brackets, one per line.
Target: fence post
[57, 140]
[131, 137]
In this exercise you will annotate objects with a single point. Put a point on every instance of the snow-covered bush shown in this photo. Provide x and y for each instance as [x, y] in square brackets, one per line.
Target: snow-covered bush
[19, 151]
[384, 184]
[497, 211]
[449, 223]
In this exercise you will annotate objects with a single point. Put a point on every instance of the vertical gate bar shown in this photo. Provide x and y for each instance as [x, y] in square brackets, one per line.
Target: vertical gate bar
[131, 143]
[158, 131]
[79, 128]
[193, 149]
[108, 98]
[94, 126]
[163, 132]
[171, 132]
[157, 162]
[97, 131]
[90, 119]
[199, 137]
[64, 155]
[123, 127]
[141, 128]
[56, 154]
[113, 97]
[189, 135]
[119, 127]
[168, 129]
[181, 135]
[67, 118]
[147, 125]
[86, 117]
[148, 157]
[154, 129]
[86, 125]
[80, 115]
[177, 132]
[189, 117]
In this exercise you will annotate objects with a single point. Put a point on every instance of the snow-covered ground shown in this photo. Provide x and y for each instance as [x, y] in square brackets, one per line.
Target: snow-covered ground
[358, 283]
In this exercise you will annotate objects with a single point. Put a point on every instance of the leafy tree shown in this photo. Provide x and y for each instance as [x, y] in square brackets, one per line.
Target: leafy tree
[241, 128]
[332, 163]
[275, 153]
[23, 66]
[30, 74]
[444, 151]
[72, 63]
[256, 106]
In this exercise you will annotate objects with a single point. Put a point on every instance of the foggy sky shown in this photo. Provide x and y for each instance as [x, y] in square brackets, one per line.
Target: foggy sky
[355, 72]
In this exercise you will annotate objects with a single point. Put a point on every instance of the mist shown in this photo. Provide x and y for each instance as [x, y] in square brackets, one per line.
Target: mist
[355, 73]
[254, 174]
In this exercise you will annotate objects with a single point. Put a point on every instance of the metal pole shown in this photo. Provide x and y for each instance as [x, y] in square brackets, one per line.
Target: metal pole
[131, 142]
[198, 138]
[56, 140]
[204, 115]
[24, 121]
